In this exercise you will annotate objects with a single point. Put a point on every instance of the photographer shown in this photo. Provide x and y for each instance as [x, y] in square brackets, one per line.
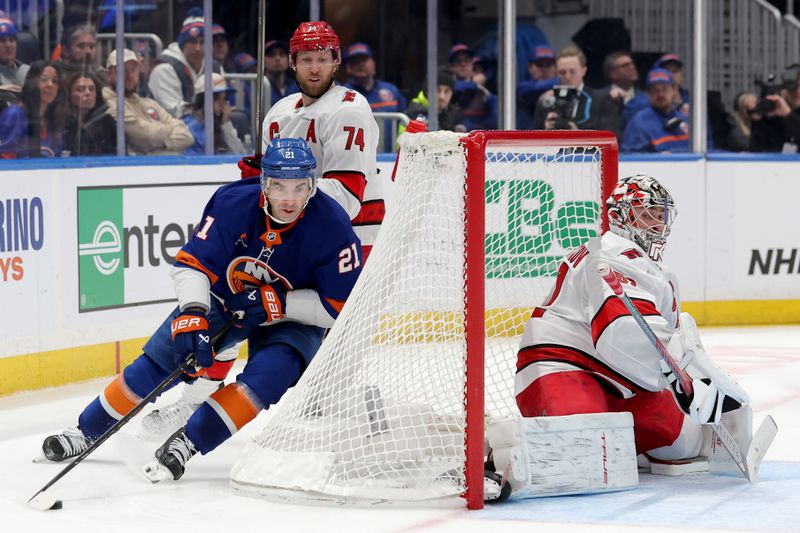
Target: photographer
[776, 117]
[661, 127]
[572, 105]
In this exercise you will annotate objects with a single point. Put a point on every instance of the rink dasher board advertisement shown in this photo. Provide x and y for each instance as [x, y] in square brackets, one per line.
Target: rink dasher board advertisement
[734, 241]
[150, 209]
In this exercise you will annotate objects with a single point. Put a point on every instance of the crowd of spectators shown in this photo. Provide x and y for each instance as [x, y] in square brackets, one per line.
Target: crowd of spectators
[67, 105]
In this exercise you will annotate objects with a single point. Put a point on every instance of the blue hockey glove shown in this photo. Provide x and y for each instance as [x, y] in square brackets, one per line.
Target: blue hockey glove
[190, 336]
[261, 306]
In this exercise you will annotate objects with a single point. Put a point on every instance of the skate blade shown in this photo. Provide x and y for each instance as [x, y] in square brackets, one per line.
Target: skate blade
[41, 459]
[155, 472]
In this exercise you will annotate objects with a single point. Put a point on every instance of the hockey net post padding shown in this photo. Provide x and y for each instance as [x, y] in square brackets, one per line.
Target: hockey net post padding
[393, 406]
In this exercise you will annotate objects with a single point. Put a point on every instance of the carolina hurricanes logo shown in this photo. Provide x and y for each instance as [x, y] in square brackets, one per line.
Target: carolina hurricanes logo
[248, 272]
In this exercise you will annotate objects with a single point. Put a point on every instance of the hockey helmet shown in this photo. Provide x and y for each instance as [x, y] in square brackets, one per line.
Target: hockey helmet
[318, 35]
[288, 159]
[641, 191]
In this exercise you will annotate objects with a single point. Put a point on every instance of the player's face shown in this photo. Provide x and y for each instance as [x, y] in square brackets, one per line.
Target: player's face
[650, 218]
[287, 198]
[314, 71]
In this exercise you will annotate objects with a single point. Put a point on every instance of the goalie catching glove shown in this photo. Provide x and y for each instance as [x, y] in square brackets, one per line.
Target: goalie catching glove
[250, 166]
[261, 306]
[715, 392]
[190, 337]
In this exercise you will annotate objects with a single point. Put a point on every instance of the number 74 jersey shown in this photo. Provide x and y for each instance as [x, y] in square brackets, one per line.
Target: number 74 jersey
[342, 133]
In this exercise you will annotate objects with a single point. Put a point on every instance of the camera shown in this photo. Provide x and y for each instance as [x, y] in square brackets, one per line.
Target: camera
[768, 87]
[564, 103]
[673, 125]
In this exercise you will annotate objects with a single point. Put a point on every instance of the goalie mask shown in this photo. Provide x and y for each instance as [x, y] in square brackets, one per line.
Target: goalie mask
[292, 163]
[642, 210]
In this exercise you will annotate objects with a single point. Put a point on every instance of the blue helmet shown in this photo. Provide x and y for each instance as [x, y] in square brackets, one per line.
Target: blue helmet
[288, 159]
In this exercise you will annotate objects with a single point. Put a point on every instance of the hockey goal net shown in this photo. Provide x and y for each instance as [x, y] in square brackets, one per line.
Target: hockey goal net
[393, 406]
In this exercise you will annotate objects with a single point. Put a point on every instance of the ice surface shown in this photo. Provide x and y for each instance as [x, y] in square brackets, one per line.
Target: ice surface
[107, 491]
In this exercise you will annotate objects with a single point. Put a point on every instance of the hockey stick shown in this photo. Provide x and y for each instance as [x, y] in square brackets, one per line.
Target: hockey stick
[720, 431]
[260, 78]
[41, 501]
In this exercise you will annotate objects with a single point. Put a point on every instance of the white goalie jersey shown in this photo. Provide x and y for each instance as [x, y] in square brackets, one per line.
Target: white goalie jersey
[583, 326]
[343, 136]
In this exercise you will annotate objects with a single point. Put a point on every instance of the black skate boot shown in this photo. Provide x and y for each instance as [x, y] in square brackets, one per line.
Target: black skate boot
[65, 446]
[171, 458]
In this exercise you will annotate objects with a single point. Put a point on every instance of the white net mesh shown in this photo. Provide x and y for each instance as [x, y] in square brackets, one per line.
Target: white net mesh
[380, 412]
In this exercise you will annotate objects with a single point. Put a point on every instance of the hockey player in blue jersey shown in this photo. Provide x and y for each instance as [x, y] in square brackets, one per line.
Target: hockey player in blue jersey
[277, 249]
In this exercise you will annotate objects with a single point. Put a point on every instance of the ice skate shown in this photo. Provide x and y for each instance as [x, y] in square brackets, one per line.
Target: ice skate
[71, 443]
[160, 423]
[170, 459]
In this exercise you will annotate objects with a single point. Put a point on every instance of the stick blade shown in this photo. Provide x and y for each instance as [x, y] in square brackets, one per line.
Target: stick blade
[42, 501]
[758, 447]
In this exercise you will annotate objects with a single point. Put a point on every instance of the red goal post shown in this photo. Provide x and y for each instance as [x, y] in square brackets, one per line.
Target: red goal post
[393, 406]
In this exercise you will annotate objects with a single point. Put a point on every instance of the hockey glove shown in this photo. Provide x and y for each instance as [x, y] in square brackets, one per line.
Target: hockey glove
[250, 166]
[190, 336]
[261, 306]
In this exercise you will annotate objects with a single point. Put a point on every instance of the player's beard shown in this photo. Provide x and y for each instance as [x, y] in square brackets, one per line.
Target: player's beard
[322, 90]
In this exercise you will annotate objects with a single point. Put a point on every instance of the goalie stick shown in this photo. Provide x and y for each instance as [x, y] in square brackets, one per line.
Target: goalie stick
[42, 501]
[761, 439]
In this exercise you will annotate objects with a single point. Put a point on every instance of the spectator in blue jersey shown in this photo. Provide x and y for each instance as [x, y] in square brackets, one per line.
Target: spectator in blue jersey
[674, 65]
[226, 138]
[275, 248]
[276, 68]
[34, 126]
[661, 127]
[621, 73]
[542, 70]
[383, 97]
[478, 104]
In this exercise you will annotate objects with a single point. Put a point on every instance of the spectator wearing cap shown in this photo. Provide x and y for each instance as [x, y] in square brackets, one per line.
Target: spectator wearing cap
[674, 65]
[78, 51]
[660, 127]
[449, 112]
[621, 73]
[34, 126]
[542, 70]
[383, 97]
[220, 49]
[12, 71]
[172, 80]
[276, 67]
[478, 105]
[226, 138]
[149, 128]
[589, 109]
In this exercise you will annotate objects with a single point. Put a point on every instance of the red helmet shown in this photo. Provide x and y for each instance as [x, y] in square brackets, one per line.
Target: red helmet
[314, 36]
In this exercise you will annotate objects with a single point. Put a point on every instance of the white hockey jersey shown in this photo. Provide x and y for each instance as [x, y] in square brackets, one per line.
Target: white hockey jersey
[582, 325]
[343, 136]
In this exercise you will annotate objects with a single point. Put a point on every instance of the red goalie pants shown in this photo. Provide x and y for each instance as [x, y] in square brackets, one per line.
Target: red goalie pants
[657, 420]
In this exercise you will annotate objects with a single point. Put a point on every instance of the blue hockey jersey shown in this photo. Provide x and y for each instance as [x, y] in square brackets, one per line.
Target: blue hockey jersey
[239, 247]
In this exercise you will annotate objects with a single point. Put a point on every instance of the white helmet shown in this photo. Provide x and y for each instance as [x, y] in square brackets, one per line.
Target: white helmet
[645, 192]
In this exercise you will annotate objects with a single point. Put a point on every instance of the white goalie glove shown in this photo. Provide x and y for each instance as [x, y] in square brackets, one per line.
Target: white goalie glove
[715, 392]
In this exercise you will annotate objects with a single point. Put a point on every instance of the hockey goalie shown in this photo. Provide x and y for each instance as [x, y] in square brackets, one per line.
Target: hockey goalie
[595, 394]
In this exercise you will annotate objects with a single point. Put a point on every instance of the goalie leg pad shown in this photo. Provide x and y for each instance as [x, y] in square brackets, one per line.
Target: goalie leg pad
[574, 454]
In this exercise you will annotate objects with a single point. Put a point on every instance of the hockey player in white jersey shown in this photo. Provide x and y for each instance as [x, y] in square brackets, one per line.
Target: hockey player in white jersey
[338, 125]
[583, 354]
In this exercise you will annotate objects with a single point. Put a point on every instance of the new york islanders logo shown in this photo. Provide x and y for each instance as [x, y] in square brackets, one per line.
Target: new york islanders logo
[246, 272]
